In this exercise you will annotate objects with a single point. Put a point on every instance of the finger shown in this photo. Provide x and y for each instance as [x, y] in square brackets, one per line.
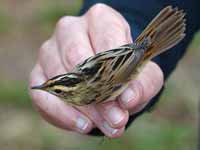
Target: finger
[73, 41]
[54, 110]
[113, 114]
[74, 48]
[111, 32]
[50, 60]
[101, 123]
[137, 109]
[143, 88]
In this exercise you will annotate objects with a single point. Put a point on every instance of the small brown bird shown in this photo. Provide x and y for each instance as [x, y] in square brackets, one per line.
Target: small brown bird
[106, 75]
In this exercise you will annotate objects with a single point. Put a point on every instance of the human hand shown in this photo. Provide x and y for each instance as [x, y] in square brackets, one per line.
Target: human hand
[75, 39]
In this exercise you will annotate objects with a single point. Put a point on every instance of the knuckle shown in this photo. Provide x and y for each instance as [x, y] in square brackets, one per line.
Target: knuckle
[65, 21]
[127, 26]
[158, 76]
[127, 29]
[45, 46]
[45, 52]
[138, 89]
[97, 9]
[148, 88]
[70, 48]
[121, 23]
[151, 80]
[109, 15]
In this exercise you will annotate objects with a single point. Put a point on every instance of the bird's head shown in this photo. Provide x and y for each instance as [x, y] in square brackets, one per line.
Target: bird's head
[63, 85]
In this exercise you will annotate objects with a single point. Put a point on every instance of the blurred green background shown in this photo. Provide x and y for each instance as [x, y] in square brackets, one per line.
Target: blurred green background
[24, 26]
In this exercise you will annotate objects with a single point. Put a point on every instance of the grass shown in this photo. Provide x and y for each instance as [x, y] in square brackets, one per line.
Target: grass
[5, 22]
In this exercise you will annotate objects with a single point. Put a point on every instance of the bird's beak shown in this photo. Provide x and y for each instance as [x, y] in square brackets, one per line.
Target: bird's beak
[38, 87]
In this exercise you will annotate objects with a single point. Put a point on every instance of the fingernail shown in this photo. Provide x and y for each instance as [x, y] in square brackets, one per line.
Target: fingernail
[115, 115]
[127, 95]
[108, 128]
[81, 124]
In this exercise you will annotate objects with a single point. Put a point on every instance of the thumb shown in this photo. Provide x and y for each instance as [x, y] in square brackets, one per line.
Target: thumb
[142, 89]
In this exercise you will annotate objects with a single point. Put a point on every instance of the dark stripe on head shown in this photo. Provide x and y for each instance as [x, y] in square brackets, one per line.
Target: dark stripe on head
[58, 76]
[69, 79]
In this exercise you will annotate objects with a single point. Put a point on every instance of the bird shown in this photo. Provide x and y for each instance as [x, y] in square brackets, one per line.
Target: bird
[106, 75]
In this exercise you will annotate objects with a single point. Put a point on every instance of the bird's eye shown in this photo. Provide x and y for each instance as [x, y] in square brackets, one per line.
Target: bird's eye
[57, 91]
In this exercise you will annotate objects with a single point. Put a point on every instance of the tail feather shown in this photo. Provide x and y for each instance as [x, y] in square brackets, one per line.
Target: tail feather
[164, 31]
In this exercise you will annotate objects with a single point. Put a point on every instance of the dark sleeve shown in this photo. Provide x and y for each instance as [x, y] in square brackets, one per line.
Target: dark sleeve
[139, 13]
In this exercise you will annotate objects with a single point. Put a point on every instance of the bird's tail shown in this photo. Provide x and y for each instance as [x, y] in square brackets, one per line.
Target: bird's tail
[163, 32]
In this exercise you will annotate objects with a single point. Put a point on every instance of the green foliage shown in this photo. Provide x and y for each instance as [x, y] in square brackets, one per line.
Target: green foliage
[14, 93]
[4, 22]
[49, 14]
[162, 135]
